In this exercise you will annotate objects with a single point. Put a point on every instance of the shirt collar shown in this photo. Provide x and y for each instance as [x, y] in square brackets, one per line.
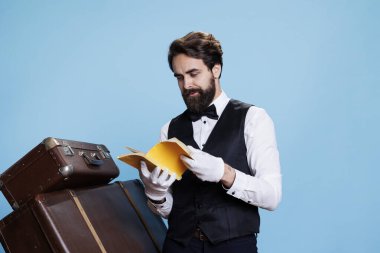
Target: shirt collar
[221, 103]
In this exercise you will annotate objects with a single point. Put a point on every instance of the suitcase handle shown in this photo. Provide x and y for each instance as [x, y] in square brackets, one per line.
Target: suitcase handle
[92, 161]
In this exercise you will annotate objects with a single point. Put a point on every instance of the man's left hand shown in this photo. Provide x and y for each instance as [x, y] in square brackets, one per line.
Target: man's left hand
[205, 166]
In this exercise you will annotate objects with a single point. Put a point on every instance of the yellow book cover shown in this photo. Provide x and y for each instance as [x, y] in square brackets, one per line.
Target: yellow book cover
[165, 154]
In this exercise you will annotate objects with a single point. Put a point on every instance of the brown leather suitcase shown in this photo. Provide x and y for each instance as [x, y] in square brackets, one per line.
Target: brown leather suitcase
[109, 218]
[57, 164]
[20, 232]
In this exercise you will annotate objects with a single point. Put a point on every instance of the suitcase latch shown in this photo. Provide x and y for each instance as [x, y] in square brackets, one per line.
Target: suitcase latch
[104, 152]
[68, 150]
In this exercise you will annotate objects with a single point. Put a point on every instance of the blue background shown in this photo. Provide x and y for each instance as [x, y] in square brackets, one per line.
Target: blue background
[96, 71]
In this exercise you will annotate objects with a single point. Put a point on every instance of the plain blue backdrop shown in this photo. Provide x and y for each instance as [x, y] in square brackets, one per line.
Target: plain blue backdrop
[96, 71]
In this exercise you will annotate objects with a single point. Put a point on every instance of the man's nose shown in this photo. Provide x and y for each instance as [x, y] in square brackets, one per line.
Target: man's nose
[187, 83]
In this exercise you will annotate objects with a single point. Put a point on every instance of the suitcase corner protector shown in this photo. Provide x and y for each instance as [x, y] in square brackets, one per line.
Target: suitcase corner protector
[50, 143]
[15, 206]
[66, 171]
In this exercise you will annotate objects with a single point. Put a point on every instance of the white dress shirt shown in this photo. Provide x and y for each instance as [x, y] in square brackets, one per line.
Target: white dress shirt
[264, 188]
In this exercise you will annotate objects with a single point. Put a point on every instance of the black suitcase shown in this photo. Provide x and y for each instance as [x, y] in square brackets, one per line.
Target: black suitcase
[111, 218]
[57, 164]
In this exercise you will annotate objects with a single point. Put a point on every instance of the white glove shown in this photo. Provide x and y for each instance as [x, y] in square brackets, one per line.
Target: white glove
[205, 166]
[156, 184]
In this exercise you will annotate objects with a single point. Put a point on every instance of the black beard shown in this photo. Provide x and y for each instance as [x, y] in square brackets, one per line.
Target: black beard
[199, 103]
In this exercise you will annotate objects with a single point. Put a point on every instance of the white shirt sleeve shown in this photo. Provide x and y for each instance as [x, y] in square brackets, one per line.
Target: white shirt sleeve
[165, 208]
[264, 188]
[164, 132]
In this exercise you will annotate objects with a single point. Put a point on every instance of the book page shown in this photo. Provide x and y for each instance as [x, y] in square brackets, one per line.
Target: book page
[134, 150]
[135, 159]
[164, 154]
[167, 155]
[181, 144]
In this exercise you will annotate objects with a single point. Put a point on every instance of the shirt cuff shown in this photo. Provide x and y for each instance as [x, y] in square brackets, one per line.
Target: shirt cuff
[238, 187]
[156, 206]
[162, 209]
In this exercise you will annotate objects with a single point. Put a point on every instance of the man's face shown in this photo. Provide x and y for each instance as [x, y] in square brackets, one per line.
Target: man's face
[195, 81]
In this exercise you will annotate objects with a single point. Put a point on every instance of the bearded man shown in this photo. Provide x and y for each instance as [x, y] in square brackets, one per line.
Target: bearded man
[234, 169]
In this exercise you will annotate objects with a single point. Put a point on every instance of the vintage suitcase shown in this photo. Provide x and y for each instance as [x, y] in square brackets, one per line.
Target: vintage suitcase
[57, 164]
[20, 232]
[109, 218]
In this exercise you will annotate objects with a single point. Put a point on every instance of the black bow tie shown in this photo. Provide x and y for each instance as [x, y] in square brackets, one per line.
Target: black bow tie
[209, 112]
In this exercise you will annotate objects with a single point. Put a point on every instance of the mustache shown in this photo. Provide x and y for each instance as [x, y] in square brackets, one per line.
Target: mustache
[186, 93]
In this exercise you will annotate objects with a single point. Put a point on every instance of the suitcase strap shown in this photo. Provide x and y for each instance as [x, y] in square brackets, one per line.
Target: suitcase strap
[88, 222]
[151, 235]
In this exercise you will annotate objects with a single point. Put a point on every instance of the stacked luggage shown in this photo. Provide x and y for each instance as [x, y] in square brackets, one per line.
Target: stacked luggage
[63, 202]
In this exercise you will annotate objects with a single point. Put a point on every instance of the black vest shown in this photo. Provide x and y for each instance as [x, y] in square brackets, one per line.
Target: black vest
[204, 204]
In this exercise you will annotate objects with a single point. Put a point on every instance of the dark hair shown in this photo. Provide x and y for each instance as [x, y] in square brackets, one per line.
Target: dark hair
[199, 45]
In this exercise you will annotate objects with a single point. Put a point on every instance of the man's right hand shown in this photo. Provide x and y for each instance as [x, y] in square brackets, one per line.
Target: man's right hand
[157, 182]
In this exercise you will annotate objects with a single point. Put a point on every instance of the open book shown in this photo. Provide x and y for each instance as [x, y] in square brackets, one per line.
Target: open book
[165, 154]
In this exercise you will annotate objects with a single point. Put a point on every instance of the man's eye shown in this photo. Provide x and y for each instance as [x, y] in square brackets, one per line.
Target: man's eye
[193, 74]
[179, 78]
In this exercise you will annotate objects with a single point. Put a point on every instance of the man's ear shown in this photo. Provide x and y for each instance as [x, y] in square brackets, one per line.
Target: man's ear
[216, 70]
